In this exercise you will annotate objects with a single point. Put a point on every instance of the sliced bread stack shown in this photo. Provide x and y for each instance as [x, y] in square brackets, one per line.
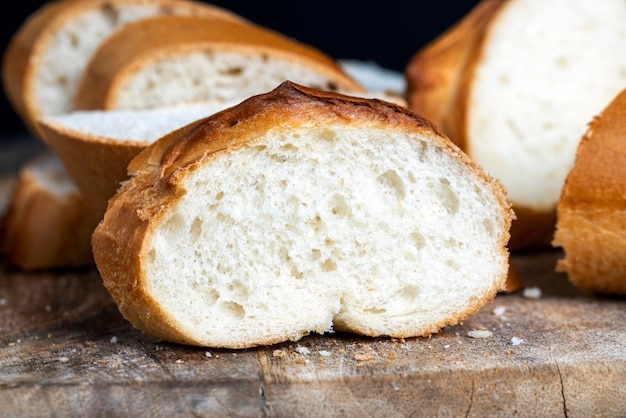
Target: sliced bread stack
[301, 211]
[45, 59]
[514, 84]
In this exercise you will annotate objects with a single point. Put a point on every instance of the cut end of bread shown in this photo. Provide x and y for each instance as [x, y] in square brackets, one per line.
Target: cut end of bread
[300, 211]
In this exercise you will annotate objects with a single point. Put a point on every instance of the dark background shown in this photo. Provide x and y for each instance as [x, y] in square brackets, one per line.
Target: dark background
[387, 33]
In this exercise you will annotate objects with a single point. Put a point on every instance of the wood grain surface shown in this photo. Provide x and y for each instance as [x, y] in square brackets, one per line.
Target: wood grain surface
[66, 351]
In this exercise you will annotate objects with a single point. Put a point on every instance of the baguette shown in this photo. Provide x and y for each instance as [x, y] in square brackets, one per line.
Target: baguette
[300, 211]
[590, 217]
[513, 84]
[44, 60]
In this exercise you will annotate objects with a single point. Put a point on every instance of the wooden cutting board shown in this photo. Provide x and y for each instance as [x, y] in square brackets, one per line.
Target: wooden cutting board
[65, 351]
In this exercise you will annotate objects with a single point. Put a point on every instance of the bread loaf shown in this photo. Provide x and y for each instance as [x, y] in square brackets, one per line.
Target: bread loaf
[590, 219]
[300, 211]
[47, 223]
[514, 84]
[171, 60]
[45, 58]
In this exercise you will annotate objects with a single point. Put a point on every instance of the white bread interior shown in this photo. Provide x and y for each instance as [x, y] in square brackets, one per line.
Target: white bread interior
[546, 68]
[273, 220]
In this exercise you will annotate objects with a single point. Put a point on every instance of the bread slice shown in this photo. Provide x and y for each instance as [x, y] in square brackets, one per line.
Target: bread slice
[171, 60]
[514, 85]
[45, 58]
[590, 213]
[47, 223]
[300, 211]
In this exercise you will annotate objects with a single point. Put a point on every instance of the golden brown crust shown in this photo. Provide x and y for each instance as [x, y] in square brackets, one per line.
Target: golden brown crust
[435, 73]
[590, 212]
[44, 231]
[142, 41]
[27, 45]
[157, 171]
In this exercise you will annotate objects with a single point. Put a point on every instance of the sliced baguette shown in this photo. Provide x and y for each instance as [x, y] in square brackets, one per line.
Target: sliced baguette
[513, 84]
[590, 213]
[47, 223]
[171, 60]
[45, 58]
[302, 211]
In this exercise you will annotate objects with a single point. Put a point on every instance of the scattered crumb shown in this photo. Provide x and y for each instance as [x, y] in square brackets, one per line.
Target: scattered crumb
[47, 308]
[532, 293]
[303, 350]
[179, 361]
[479, 333]
[516, 341]
[3, 301]
[499, 310]
[446, 346]
[113, 340]
[324, 353]
[278, 353]
[64, 359]
[208, 354]
[364, 357]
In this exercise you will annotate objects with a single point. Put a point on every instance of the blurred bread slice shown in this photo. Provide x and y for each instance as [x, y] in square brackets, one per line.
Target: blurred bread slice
[45, 58]
[171, 60]
[47, 223]
[590, 213]
[301, 211]
[514, 84]
[96, 146]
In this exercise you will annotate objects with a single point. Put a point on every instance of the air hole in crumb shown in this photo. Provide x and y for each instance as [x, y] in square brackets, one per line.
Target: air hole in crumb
[296, 273]
[316, 254]
[233, 71]
[152, 256]
[393, 184]
[175, 224]
[409, 292]
[316, 223]
[219, 195]
[339, 206]
[332, 86]
[211, 296]
[489, 226]
[328, 135]
[448, 197]
[233, 310]
[329, 265]
[196, 229]
[239, 291]
[289, 147]
[418, 240]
